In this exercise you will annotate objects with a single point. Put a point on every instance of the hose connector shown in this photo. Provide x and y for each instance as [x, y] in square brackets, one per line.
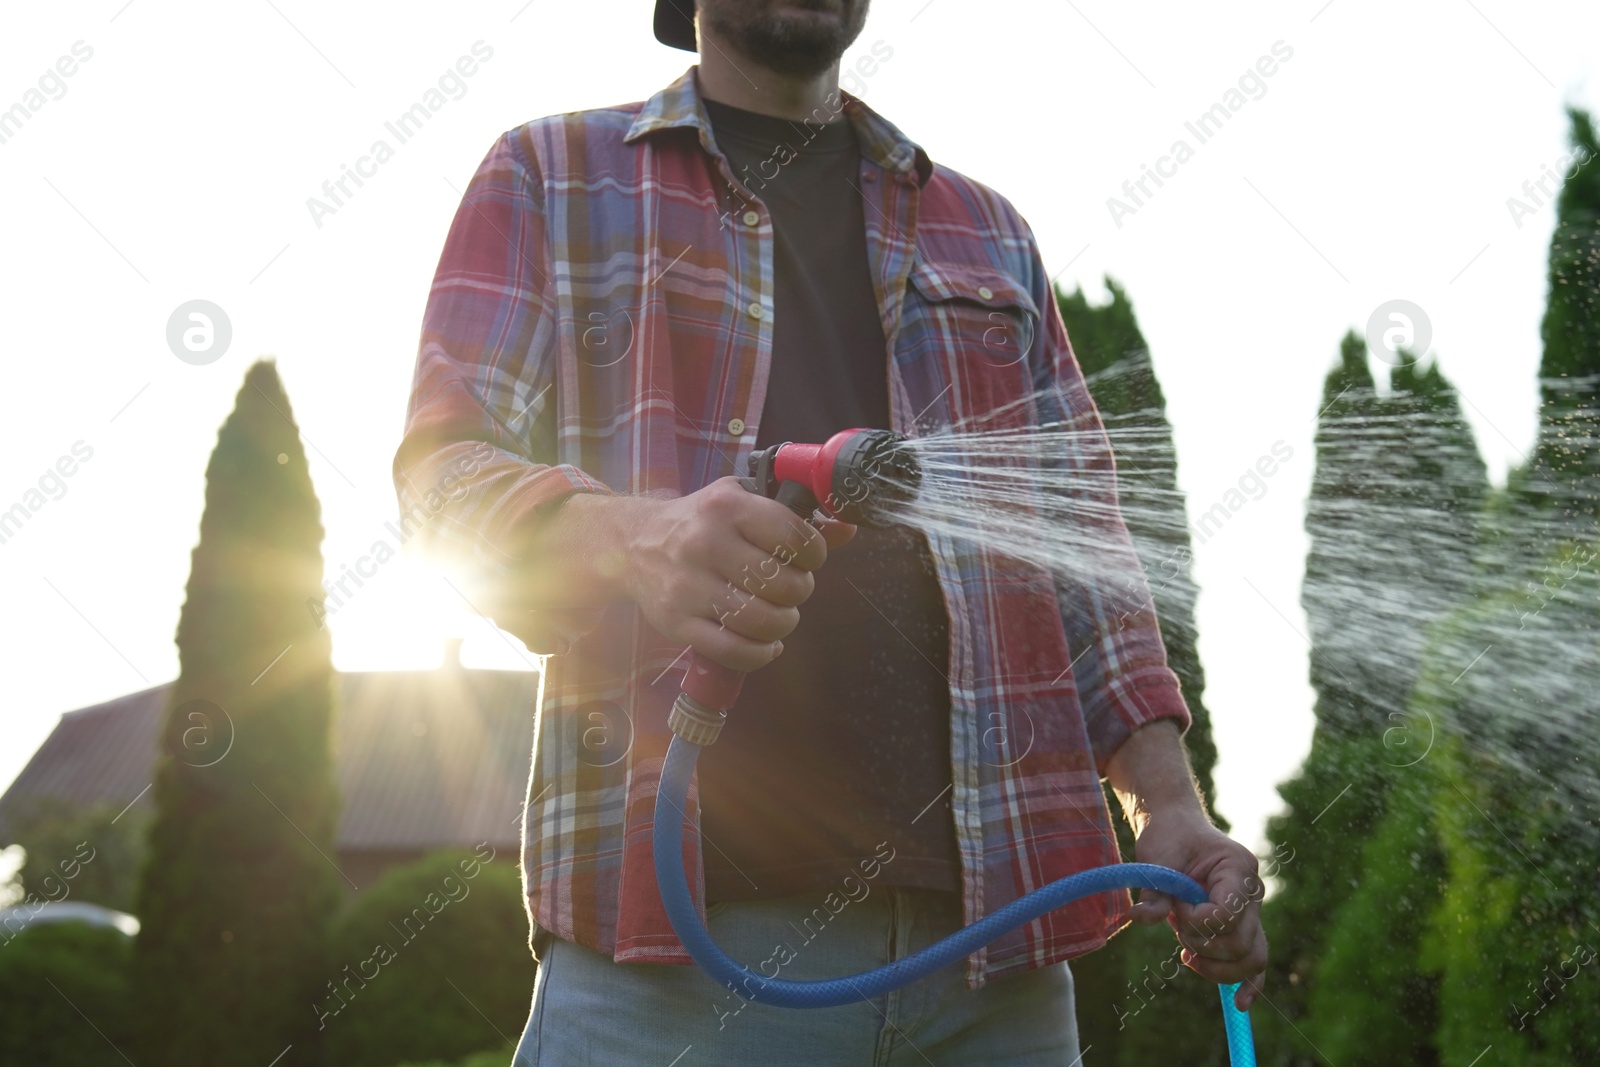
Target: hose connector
[695, 722]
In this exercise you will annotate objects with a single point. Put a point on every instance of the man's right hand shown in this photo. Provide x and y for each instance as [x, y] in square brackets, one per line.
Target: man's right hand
[723, 570]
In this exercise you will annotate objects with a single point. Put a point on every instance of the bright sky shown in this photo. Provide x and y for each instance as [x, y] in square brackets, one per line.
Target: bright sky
[174, 163]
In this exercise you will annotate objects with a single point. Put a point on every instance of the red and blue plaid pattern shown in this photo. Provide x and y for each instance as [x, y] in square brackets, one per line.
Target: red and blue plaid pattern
[601, 318]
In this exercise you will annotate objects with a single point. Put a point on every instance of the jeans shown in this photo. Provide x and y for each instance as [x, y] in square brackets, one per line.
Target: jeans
[590, 1010]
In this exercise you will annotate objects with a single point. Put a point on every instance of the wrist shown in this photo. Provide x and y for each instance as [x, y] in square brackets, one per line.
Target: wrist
[578, 555]
[604, 529]
[1151, 776]
[1144, 812]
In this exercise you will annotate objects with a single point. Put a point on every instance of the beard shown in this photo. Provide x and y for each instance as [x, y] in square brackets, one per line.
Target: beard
[800, 38]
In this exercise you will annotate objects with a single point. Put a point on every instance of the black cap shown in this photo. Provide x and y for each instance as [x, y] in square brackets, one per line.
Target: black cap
[675, 23]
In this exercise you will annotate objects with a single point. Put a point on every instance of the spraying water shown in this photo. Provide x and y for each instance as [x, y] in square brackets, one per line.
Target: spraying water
[1050, 497]
[1433, 605]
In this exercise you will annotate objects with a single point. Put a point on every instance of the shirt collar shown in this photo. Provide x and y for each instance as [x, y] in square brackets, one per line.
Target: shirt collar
[679, 105]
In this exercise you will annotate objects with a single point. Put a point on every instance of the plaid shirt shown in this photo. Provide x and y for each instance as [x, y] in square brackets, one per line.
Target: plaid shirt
[601, 321]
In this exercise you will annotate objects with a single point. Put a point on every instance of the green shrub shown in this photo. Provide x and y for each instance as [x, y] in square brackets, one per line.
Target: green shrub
[431, 963]
[498, 1057]
[59, 983]
[95, 851]
[1373, 1002]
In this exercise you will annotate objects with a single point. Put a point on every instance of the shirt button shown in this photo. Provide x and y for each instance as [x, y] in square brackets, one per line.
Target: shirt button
[985, 292]
[751, 218]
[736, 427]
[755, 310]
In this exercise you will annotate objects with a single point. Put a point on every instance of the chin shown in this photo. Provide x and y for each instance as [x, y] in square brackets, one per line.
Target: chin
[801, 37]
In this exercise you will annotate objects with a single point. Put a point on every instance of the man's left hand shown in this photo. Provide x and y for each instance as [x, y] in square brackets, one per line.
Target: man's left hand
[1222, 939]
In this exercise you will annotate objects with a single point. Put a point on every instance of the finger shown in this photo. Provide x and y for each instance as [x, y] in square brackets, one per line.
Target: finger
[1248, 991]
[766, 524]
[835, 533]
[1223, 972]
[1152, 907]
[777, 532]
[806, 547]
[1243, 968]
[1231, 948]
[1231, 945]
[750, 574]
[750, 616]
[1231, 890]
[727, 647]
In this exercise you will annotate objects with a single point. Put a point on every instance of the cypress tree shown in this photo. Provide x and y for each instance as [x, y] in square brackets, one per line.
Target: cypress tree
[1425, 519]
[238, 884]
[1516, 935]
[1566, 464]
[1139, 967]
[1393, 523]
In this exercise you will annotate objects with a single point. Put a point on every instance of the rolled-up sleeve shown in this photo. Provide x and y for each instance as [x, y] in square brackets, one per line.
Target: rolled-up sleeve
[1119, 660]
[476, 470]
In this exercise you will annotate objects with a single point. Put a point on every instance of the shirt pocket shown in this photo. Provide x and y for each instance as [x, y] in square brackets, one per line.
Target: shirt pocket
[969, 325]
[983, 313]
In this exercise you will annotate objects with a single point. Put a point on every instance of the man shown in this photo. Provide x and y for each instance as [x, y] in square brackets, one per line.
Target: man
[632, 299]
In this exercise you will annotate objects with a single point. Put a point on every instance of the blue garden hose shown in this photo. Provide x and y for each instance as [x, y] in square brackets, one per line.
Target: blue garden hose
[671, 800]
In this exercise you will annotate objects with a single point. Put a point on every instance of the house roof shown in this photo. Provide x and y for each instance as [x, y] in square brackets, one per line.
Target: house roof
[423, 759]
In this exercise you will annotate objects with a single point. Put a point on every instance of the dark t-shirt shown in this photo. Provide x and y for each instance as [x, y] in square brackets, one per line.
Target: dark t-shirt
[843, 742]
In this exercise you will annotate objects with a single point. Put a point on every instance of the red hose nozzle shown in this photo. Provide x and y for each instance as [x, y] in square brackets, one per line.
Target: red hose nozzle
[856, 476]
